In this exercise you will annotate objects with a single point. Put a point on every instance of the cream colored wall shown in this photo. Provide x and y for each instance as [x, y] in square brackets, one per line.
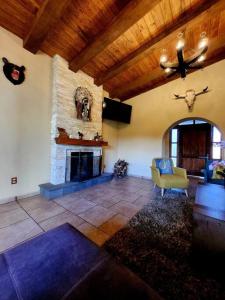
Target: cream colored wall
[110, 134]
[155, 111]
[110, 153]
[25, 112]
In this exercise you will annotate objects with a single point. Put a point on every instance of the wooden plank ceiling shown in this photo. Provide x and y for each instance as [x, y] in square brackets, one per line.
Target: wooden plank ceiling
[117, 42]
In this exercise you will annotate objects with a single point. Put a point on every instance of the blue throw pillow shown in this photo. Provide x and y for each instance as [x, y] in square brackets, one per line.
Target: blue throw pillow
[164, 166]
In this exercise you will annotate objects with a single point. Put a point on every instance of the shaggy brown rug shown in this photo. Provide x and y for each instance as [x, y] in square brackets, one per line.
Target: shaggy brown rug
[157, 245]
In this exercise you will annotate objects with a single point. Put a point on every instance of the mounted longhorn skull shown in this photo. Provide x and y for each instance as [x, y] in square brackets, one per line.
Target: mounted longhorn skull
[190, 97]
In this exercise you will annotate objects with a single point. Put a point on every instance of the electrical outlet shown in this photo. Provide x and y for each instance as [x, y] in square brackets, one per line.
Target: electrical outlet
[14, 180]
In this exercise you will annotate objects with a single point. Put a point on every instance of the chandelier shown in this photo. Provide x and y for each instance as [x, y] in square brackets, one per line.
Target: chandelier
[183, 65]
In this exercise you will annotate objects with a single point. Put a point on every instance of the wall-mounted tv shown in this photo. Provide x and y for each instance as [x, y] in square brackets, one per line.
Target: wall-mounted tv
[116, 111]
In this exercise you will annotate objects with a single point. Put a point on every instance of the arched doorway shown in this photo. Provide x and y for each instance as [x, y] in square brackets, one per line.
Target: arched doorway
[191, 142]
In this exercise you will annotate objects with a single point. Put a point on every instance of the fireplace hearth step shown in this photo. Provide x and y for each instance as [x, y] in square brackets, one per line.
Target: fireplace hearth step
[51, 191]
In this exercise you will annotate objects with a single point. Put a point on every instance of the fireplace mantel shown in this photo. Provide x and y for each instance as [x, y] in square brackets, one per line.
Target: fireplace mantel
[64, 139]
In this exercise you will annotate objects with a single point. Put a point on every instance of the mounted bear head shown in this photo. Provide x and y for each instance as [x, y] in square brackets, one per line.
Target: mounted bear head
[13, 73]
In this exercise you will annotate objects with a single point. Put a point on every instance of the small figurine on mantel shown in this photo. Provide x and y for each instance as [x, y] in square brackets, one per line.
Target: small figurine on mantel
[80, 134]
[97, 137]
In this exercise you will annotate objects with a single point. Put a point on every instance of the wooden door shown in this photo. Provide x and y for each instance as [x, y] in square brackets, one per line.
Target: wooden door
[194, 147]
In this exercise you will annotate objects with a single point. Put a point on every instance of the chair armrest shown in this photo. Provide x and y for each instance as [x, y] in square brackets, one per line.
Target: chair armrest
[155, 175]
[180, 171]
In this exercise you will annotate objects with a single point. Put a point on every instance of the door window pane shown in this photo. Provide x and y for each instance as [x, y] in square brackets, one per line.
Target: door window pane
[174, 136]
[174, 159]
[216, 135]
[199, 122]
[174, 149]
[216, 152]
[188, 122]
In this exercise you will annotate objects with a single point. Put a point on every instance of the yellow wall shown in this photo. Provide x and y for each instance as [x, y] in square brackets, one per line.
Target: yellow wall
[25, 112]
[155, 111]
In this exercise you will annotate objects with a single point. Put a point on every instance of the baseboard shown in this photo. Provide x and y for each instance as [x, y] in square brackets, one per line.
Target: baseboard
[24, 196]
[7, 200]
[139, 176]
[10, 199]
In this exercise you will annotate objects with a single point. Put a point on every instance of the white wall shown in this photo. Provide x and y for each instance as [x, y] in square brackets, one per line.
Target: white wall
[155, 111]
[25, 112]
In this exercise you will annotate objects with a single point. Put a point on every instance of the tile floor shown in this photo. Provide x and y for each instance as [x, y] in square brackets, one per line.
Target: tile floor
[98, 212]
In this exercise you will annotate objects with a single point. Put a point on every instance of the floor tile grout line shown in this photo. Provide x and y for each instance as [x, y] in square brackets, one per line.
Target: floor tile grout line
[144, 188]
[67, 210]
[29, 215]
[112, 218]
[14, 223]
[77, 215]
[85, 221]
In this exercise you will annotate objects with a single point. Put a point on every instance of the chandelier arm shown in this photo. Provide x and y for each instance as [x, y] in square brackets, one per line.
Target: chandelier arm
[173, 66]
[195, 67]
[172, 73]
[182, 63]
[195, 58]
[162, 66]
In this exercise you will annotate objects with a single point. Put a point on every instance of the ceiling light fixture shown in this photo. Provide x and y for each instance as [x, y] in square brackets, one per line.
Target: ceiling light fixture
[182, 66]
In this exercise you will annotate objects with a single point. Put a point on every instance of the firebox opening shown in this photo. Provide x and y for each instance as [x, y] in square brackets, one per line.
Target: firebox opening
[83, 165]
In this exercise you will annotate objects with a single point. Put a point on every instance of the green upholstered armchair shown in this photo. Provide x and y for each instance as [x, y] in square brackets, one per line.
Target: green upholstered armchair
[178, 179]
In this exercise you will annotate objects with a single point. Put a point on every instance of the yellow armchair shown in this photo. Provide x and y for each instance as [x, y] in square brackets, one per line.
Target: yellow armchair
[177, 180]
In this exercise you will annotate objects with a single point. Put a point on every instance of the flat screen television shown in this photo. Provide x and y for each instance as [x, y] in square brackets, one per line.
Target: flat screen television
[116, 111]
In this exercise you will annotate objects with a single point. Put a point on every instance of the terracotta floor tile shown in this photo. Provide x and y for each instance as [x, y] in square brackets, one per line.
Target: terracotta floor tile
[106, 201]
[114, 224]
[13, 216]
[109, 205]
[34, 202]
[141, 201]
[78, 206]
[60, 219]
[125, 208]
[42, 213]
[127, 196]
[94, 234]
[8, 206]
[17, 233]
[97, 215]
[68, 198]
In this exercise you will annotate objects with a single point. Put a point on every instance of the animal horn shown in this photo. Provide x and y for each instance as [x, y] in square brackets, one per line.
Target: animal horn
[5, 60]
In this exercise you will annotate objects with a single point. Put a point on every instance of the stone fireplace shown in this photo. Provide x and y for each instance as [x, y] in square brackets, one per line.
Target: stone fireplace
[64, 115]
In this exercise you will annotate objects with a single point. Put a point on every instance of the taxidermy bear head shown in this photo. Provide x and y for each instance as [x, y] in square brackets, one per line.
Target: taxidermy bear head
[13, 73]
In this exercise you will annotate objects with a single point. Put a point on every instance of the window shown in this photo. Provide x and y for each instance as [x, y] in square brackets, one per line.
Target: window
[188, 122]
[200, 122]
[173, 146]
[216, 138]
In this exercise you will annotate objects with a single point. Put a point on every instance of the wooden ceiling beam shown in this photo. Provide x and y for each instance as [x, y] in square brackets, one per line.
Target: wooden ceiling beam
[47, 16]
[148, 48]
[127, 17]
[157, 78]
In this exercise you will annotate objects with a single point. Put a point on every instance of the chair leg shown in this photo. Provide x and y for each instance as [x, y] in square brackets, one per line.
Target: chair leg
[186, 192]
[162, 192]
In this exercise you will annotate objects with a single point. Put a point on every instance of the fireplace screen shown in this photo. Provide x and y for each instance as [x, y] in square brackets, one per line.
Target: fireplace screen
[82, 166]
